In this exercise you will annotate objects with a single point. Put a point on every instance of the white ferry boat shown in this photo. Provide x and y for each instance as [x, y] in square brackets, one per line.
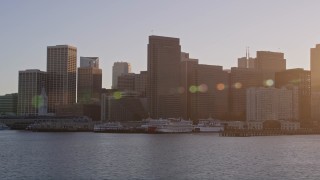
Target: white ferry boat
[170, 125]
[209, 126]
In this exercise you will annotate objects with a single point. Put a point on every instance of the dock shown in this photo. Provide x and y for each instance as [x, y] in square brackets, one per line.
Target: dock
[267, 132]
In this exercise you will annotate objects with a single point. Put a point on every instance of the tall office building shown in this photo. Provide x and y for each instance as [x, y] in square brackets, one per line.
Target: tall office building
[315, 82]
[61, 69]
[140, 83]
[240, 80]
[126, 82]
[89, 80]
[31, 84]
[298, 78]
[164, 54]
[8, 104]
[188, 80]
[269, 63]
[118, 69]
[212, 94]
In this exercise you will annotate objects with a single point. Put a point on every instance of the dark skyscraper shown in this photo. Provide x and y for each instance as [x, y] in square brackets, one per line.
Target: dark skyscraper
[61, 69]
[269, 63]
[301, 79]
[240, 80]
[164, 77]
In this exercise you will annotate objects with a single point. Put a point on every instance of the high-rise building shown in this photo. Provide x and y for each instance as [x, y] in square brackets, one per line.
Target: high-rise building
[8, 104]
[126, 82]
[188, 81]
[272, 104]
[31, 84]
[89, 62]
[240, 80]
[204, 89]
[212, 94]
[315, 82]
[140, 83]
[298, 78]
[89, 80]
[164, 57]
[268, 63]
[61, 69]
[315, 68]
[118, 69]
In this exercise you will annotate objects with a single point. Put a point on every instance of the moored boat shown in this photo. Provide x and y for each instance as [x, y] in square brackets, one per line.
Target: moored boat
[209, 126]
[170, 125]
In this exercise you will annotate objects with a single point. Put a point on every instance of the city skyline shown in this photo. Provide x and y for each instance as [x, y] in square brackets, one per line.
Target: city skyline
[211, 34]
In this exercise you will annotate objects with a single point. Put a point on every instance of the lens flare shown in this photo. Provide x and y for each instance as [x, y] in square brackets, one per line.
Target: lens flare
[203, 88]
[193, 89]
[269, 82]
[220, 86]
[117, 95]
[37, 101]
[238, 85]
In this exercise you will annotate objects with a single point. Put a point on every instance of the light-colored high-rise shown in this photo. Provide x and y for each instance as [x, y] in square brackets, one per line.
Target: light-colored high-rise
[118, 69]
[31, 83]
[272, 104]
[62, 78]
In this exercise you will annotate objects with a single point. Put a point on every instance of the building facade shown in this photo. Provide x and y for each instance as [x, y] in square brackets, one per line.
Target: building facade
[265, 104]
[240, 80]
[268, 63]
[118, 69]
[315, 82]
[89, 80]
[31, 84]
[122, 107]
[164, 54]
[61, 70]
[140, 83]
[126, 82]
[302, 79]
[8, 104]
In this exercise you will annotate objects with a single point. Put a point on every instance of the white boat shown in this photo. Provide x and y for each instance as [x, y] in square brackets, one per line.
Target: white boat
[209, 126]
[3, 127]
[170, 125]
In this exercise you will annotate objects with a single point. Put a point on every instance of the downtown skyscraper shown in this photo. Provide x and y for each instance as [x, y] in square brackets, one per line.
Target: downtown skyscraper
[164, 54]
[61, 75]
[31, 83]
[89, 80]
[315, 82]
[118, 69]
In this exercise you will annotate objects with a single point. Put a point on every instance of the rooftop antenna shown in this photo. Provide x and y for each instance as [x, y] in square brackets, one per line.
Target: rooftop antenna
[248, 52]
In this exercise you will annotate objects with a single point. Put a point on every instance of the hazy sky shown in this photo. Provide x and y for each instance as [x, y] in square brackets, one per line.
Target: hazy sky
[215, 32]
